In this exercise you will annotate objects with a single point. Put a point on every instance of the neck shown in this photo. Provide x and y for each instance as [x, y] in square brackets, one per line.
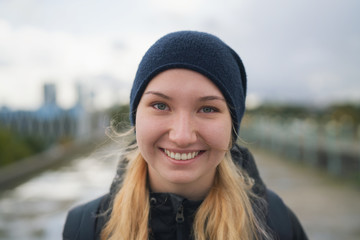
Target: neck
[183, 191]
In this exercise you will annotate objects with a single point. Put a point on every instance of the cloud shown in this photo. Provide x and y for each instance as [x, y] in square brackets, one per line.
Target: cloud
[290, 49]
[287, 48]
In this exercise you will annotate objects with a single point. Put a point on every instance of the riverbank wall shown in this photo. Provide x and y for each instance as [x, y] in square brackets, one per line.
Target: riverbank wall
[57, 155]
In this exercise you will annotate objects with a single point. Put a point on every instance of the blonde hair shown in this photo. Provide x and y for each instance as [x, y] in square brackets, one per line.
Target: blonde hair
[226, 212]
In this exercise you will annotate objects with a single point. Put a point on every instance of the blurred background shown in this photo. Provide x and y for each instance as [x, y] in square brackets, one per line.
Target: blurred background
[66, 69]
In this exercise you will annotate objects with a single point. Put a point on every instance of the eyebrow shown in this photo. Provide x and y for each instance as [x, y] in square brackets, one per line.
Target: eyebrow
[210, 98]
[158, 94]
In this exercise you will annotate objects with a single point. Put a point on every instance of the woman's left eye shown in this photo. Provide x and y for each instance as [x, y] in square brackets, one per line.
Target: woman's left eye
[207, 110]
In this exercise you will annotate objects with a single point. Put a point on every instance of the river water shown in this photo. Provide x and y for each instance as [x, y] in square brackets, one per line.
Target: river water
[36, 209]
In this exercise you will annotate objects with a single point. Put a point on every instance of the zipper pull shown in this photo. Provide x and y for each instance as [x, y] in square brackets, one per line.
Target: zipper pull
[180, 214]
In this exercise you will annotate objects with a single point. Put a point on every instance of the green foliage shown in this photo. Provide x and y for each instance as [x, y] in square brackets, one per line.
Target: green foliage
[12, 147]
[346, 112]
[282, 110]
[36, 143]
[339, 112]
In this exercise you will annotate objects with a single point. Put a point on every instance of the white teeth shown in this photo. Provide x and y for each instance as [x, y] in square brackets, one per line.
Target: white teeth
[181, 156]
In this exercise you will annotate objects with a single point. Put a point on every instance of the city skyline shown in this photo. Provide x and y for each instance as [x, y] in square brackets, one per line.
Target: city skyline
[50, 121]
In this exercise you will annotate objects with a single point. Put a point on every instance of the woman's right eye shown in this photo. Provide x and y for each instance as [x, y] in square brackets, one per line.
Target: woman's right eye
[160, 106]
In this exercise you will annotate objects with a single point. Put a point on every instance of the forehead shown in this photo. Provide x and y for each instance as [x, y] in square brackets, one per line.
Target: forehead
[182, 80]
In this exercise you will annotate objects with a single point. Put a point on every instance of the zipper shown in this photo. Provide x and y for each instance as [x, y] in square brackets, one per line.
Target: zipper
[179, 222]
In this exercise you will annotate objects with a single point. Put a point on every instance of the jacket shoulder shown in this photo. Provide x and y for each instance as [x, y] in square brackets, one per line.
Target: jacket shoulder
[281, 220]
[81, 220]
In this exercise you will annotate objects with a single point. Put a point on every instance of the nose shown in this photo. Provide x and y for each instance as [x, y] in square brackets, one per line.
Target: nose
[183, 130]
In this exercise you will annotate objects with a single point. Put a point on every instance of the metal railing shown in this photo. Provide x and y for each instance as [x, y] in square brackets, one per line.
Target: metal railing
[332, 145]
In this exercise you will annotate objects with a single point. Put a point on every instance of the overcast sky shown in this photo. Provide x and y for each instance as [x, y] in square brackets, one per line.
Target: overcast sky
[294, 51]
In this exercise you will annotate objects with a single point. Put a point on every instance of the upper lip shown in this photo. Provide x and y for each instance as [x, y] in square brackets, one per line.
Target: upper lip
[183, 155]
[181, 150]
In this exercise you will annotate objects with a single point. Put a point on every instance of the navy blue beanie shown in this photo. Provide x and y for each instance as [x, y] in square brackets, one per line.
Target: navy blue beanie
[200, 52]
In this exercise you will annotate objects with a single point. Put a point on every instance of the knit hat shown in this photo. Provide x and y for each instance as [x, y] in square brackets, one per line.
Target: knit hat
[200, 52]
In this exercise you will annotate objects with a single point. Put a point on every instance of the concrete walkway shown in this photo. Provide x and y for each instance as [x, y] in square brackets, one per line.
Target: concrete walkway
[328, 209]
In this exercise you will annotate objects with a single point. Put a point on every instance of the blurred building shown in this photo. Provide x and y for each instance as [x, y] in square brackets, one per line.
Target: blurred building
[50, 121]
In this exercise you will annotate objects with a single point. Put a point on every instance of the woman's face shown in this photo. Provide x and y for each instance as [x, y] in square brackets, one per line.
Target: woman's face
[183, 129]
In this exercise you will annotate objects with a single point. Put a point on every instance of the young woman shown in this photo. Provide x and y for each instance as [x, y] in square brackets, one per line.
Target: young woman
[186, 177]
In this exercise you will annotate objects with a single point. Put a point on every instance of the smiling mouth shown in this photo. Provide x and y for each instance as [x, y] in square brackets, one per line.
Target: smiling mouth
[181, 156]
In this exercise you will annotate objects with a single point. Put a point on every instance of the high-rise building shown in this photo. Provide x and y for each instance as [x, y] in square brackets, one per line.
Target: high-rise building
[49, 94]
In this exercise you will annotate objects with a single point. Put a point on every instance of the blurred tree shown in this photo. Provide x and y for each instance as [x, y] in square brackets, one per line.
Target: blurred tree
[36, 143]
[283, 111]
[12, 147]
[338, 112]
[345, 111]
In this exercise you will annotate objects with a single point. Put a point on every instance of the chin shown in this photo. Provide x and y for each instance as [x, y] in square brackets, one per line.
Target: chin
[181, 180]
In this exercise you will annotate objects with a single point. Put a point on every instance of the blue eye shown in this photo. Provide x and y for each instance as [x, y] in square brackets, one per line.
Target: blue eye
[160, 106]
[208, 110]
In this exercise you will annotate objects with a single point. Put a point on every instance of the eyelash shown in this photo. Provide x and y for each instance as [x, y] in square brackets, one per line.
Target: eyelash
[156, 106]
[212, 109]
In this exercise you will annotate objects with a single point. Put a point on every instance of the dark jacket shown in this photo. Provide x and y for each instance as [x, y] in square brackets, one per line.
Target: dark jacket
[171, 216]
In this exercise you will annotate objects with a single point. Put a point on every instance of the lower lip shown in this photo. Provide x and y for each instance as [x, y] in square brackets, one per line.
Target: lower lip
[182, 162]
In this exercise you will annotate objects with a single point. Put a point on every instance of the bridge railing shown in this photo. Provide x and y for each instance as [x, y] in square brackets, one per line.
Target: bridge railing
[332, 145]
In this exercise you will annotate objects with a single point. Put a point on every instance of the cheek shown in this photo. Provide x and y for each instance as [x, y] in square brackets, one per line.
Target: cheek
[144, 140]
[217, 135]
[148, 131]
[143, 131]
